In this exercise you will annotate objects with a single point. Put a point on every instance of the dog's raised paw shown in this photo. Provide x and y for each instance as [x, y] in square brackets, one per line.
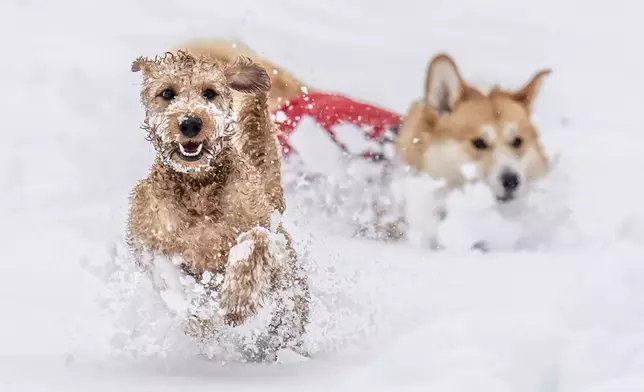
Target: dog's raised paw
[255, 234]
[242, 251]
[248, 276]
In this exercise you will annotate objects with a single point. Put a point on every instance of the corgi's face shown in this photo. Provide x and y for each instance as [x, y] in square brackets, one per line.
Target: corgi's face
[493, 130]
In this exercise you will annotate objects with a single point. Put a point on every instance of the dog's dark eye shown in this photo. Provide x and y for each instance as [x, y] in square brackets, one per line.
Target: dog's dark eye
[517, 142]
[479, 144]
[168, 94]
[209, 94]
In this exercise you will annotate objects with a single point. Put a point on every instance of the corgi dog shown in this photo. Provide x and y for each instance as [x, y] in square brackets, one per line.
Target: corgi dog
[284, 85]
[456, 124]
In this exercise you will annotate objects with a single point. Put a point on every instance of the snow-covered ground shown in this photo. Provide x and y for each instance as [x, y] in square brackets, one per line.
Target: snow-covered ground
[565, 316]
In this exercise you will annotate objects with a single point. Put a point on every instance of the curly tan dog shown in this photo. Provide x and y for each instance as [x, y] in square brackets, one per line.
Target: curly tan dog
[210, 198]
[284, 85]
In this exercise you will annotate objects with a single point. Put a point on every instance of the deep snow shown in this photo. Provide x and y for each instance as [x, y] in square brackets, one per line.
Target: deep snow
[566, 315]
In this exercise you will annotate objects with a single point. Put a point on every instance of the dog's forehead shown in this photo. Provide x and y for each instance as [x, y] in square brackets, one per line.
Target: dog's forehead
[508, 110]
[493, 117]
[470, 116]
[187, 72]
[203, 78]
[499, 130]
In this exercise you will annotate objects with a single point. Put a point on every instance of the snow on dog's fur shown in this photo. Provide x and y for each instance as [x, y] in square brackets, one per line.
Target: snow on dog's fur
[456, 134]
[213, 187]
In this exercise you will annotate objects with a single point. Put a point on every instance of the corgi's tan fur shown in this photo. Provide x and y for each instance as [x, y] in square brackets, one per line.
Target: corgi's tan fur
[284, 85]
[456, 124]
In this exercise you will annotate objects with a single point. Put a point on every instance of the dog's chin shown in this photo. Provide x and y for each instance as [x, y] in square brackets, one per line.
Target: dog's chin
[506, 198]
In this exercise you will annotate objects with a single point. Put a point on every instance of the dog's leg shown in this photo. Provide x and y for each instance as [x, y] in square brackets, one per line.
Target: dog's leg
[248, 276]
[136, 251]
[292, 300]
[259, 142]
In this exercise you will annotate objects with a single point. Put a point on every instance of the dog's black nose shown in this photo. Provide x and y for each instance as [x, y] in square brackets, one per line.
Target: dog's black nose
[190, 127]
[510, 181]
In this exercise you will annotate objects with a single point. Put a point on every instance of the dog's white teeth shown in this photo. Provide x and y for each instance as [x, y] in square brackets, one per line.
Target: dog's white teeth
[190, 154]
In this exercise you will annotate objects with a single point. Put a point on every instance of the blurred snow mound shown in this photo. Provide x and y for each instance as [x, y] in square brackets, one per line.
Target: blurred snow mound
[540, 220]
[345, 201]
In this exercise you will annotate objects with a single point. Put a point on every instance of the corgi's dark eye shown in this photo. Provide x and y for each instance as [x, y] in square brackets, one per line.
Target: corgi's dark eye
[168, 94]
[517, 142]
[480, 144]
[209, 94]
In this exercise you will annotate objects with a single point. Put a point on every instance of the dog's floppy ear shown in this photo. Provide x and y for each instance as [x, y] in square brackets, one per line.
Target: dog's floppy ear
[246, 76]
[526, 94]
[444, 86]
[141, 64]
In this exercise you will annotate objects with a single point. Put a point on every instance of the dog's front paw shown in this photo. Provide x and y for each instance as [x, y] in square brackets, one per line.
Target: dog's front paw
[248, 276]
[246, 243]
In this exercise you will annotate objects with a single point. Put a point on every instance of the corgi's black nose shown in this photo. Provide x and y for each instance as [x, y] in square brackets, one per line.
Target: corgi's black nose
[190, 127]
[510, 181]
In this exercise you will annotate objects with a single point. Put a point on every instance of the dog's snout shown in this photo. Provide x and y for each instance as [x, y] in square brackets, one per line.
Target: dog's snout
[190, 127]
[510, 181]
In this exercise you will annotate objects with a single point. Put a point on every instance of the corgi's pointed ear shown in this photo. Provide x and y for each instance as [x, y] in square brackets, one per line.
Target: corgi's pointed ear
[246, 76]
[526, 94]
[444, 86]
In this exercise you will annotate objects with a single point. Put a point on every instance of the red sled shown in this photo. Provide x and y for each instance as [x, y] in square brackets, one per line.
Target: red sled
[329, 110]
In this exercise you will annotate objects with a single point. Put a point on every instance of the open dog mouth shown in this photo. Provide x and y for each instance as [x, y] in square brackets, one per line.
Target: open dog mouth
[190, 151]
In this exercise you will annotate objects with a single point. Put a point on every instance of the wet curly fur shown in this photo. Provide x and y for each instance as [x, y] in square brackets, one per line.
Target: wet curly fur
[284, 85]
[215, 184]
